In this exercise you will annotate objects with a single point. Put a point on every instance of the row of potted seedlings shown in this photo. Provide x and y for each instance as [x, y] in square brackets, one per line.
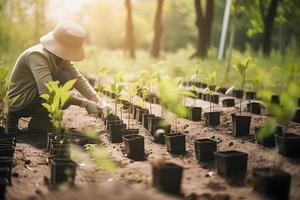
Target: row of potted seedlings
[62, 167]
[7, 134]
[233, 174]
[232, 165]
[7, 149]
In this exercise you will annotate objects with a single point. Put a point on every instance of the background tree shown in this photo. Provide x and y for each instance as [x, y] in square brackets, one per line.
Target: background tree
[129, 40]
[158, 30]
[204, 21]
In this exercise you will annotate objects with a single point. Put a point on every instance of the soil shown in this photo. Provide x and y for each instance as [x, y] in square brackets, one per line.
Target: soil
[133, 178]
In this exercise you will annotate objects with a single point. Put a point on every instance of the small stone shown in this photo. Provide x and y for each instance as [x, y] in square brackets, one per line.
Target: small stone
[27, 162]
[39, 192]
[230, 144]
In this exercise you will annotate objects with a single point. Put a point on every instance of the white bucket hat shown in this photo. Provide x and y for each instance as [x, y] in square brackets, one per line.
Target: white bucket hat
[65, 41]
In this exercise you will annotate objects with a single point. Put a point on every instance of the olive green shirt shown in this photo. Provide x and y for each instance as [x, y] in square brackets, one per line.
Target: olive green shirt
[35, 67]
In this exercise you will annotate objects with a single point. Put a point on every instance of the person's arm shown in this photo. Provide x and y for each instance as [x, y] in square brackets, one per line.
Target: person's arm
[82, 85]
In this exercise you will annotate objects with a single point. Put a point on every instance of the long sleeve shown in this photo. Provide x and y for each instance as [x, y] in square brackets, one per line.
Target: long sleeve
[40, 69]
[82, 85]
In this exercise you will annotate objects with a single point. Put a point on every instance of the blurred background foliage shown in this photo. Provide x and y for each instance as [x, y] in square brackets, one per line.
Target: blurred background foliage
[22, 22]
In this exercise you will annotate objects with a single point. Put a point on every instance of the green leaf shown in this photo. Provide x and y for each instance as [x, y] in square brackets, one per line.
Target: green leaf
[267, 130]
[45, 96]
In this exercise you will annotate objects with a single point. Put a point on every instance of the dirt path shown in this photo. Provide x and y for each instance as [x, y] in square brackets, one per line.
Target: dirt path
[133, 179]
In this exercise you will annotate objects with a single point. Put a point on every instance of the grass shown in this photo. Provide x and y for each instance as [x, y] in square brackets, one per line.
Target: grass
[178, 63]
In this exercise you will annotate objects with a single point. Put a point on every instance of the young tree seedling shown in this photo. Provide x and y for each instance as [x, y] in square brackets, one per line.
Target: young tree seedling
[55, 100]
[5, 101]
[242, 66]
[283, 113]
[117, 87]
[211, 87]
[101, 71]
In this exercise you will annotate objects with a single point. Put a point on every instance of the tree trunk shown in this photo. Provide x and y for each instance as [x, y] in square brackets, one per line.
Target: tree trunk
[158, 30]
[268, 21]
[203, 24]
[230, 45]
[129, 40]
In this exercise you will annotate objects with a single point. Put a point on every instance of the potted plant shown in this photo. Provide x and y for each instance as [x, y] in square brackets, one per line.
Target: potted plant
[204, 149]
[211, 118]
[272, 183]
[116, 126]
[232, 165]
[252, 106]
[287, 144]
[167, 176]
[101, 71]
[171, 97]
[63, 169]
[194, 111]
[241, 124]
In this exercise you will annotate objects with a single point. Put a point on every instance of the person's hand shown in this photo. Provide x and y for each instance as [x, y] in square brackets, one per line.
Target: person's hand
[91, 107]
[106, 108]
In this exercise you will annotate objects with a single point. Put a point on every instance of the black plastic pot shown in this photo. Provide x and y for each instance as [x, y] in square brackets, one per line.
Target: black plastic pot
[62, 171]
[240, 125]
[222, 90]
[4, 173]
[273, 184]
[153, 121]
[297, 116]
[3, 183]
[214, 98]
[270, 140]
[175, 143]
[204, 149]
[113, 121]
[228, 102]
[254, 107]
[131, 131]
[159, 132]
[115, 132]
[250, 95]
[212, 118]
[288, 145]
[134, 146]
[6, 162]
[232, 165]
[238, 94]
[195, 114]
[139, 113]
[145, 119]
[7, 150]
[167, 178]
[199, 95]
[275, 99]
[134, 109]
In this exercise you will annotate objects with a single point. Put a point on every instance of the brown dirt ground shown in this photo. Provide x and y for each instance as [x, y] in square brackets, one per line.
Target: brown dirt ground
[30, 178]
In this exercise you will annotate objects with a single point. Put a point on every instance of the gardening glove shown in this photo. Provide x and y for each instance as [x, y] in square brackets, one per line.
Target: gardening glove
[91, 107]
[106, 108]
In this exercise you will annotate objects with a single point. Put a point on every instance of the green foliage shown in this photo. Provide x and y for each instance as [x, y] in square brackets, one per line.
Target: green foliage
[4, 99]
[101, 71]
[211, 86]
[196, 71]
[242, 66]
[55, 100]
[284, 112]
[117, 87]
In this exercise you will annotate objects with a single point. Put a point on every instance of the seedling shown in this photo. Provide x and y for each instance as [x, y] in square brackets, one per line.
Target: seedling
[132, 90]
[171, 97]
[282, 113]
[117, 87]
[211, 87]
[100, 73]
[4, 99]
[55, 100]
[242, 66]
[196, 72]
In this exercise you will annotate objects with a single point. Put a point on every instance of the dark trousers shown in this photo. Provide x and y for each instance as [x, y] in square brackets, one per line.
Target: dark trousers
[35, 110]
